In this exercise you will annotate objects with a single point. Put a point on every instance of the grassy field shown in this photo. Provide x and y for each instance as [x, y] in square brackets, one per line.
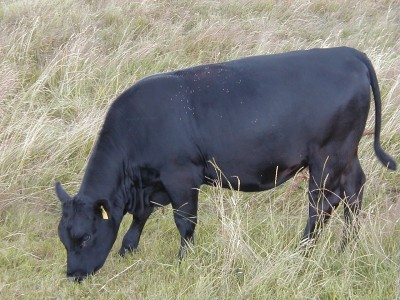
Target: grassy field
[61, 65]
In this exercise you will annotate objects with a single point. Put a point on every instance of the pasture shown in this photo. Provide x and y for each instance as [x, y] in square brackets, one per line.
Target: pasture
[62, 63]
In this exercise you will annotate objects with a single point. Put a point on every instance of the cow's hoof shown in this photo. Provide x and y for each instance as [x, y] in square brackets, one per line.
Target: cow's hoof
[126, 250]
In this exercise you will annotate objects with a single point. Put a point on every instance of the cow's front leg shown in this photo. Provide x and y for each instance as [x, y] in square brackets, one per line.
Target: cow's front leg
[132, 236]
[182, 186]
[186, 219]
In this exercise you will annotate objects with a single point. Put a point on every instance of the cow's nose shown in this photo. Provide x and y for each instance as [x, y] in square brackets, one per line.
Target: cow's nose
[76, 277]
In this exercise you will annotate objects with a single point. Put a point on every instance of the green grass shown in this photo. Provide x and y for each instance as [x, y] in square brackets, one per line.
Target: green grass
[61, 65]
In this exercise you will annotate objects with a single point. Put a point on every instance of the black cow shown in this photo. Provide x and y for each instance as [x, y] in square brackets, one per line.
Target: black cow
[261, 119]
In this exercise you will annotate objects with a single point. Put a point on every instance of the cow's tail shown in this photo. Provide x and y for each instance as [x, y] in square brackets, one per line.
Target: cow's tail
[380, 153]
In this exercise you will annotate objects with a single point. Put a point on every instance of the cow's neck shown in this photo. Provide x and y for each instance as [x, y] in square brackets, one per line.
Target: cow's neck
[102, 179]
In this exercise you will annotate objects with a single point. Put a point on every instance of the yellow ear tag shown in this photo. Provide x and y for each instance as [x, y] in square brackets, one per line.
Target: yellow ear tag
[104, 213]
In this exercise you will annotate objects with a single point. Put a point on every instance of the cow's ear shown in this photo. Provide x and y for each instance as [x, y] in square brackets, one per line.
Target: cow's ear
[101, 209]
[61, 193]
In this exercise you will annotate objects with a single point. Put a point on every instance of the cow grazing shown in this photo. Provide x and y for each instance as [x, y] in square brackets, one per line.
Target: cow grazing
[261, 119]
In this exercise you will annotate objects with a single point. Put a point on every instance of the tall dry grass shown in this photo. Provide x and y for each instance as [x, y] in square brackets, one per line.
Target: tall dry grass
[63, 62]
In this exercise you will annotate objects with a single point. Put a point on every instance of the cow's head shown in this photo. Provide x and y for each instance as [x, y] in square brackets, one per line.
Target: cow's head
[88, 230]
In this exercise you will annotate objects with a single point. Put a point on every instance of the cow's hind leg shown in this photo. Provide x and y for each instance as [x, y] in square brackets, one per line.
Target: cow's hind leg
[132, 236]
[324, 197]
[352, 184]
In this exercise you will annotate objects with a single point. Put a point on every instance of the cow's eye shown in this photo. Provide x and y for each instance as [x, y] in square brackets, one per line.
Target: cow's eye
[86, 238]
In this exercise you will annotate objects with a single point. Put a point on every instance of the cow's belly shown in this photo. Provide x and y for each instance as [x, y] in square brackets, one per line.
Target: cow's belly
[250, 178]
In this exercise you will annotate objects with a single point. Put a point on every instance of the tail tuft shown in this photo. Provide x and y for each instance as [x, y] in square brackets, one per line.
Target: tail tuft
[385, 158]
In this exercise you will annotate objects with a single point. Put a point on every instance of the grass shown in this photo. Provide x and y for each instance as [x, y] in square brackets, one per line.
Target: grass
[61, 65]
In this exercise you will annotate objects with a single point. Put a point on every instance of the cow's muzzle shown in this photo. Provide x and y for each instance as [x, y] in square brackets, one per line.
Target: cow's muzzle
[77, 276]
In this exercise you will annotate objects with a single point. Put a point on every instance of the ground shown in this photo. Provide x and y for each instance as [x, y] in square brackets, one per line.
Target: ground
[61, 65]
